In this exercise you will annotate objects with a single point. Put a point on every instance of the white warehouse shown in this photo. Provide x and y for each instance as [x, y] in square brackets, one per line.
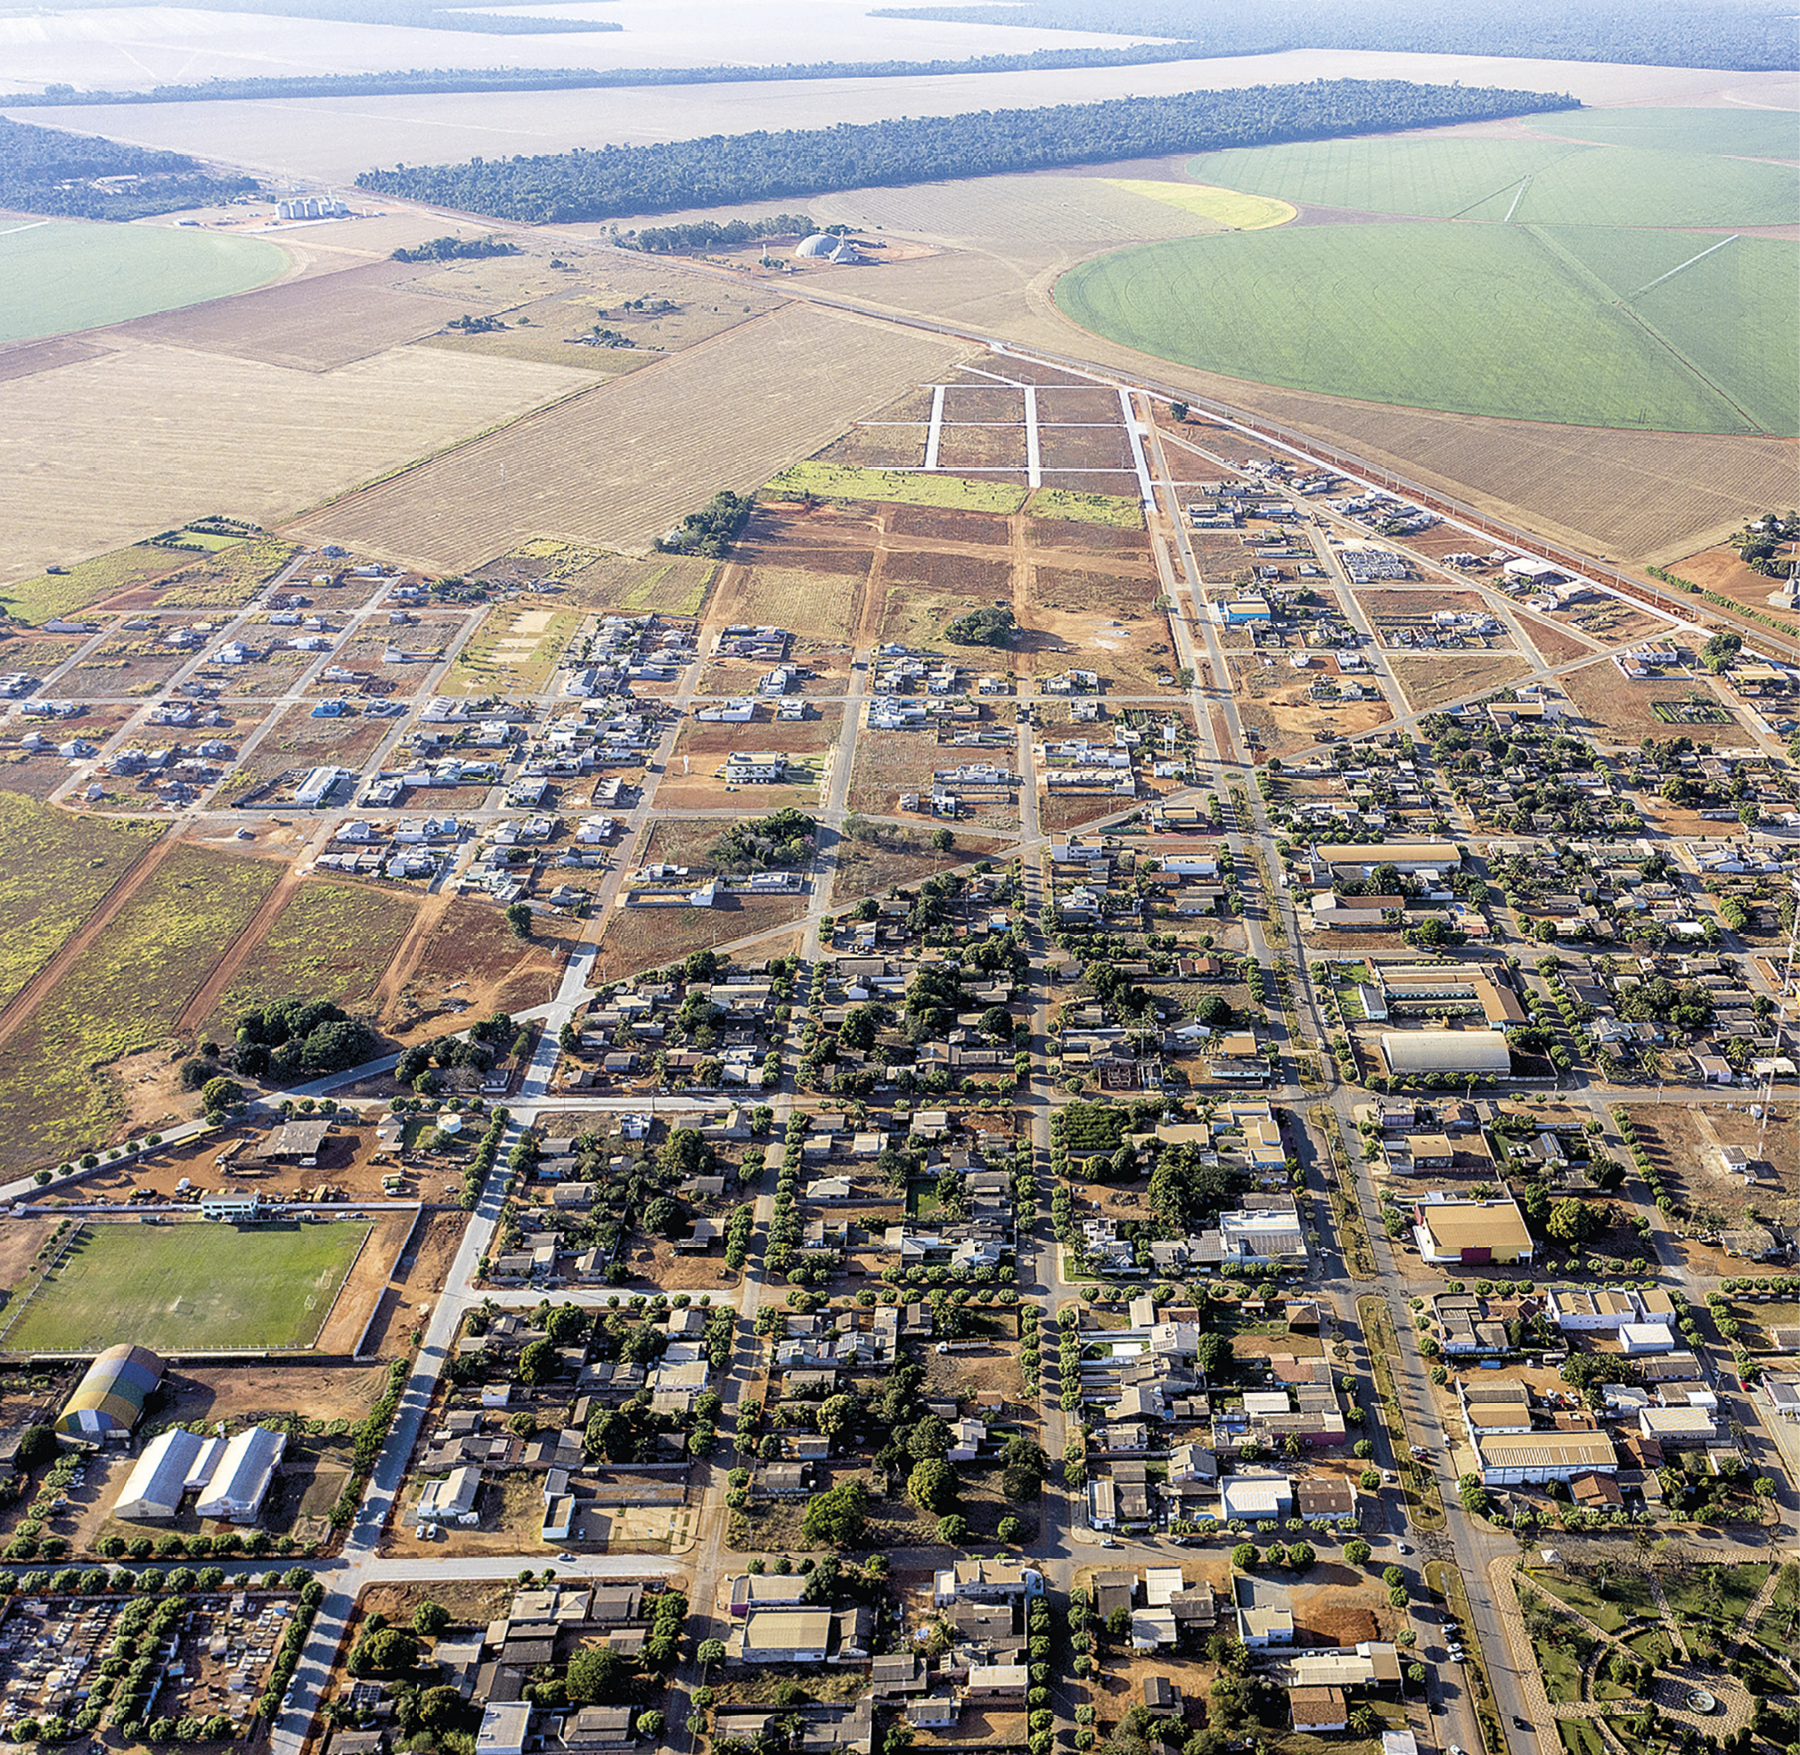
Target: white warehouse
[240, 1479]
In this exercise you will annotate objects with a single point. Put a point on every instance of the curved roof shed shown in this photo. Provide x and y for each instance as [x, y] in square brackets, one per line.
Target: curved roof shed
[109, 1400]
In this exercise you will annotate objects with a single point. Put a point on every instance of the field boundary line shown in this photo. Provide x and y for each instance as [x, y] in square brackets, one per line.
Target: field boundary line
[1689, 263]
[38, 988]
[238, 952]
[15, 1312]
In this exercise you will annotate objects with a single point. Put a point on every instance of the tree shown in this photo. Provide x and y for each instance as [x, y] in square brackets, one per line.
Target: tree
[1243, 1556]
[430, 1619]
[982, 627]
[648, 1724]
[663, 1216]
[598, 1673]
[384, 1652]
[942, 840]
[221, 1094]
[1574, 1221]
[932, 1486]
[1178, 412]
[1356, 1553]
[1009, 1529]
[537, 1364]
[518, 919]
[835, 1518]
[710, 1652]
[1300, 1556]
[953, 1530]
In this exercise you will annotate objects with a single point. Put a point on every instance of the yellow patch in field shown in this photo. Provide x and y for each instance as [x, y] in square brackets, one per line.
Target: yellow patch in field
[1228, 207]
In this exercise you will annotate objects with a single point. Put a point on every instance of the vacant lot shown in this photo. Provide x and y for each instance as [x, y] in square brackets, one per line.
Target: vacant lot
[1620, 710]
[623, 462]
[59, 867]
[596, 578]
[88, 582]
[1066, 506]
[650, 938]
[462, 957]
[867, 867]
[953, 492]
[1720, 569]
[821, 606]
[190, 1287]
[948, 525]
[515, 648]
[1283, 713]
[121, 995]
[1083, 592]
[330, 942]
[1555, 645]
[1430, 682]
[889, 763]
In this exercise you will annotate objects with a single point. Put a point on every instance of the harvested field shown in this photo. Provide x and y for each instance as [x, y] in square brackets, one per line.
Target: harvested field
[1430, 682]
[59, 869]
[331, 941]
[649, 938]
[1553, 644]
[821, 606]
[1619, 710]
[258, 439]
[55, 1094]
[314, 324]
[949, 526]
[947, 573]
[623, 462]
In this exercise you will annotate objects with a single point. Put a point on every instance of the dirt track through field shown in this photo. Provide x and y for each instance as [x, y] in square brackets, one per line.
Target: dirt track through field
[39, 987]
[242, 949]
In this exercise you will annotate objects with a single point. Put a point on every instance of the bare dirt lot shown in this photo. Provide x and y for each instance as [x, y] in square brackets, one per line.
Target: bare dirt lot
[1555, 645]
[949, 525]
[889, 763]
[650, 938]
[461, 957]
[1720, 569]
[1430, 682]
[1276, 703]
[948, 573]
[1619, 709]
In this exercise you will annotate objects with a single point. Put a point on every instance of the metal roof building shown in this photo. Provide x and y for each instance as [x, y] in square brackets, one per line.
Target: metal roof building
[1448, 1051]
[159, 1477]
[109, 1400]
[241, 1477]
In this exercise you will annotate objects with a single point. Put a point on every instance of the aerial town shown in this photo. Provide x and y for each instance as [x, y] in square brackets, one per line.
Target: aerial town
[1320, 1012]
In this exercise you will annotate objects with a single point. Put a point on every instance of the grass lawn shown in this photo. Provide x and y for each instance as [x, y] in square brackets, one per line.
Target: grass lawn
[1073, 508]
[1652, 1644]
[1562, 1675]
[1579, 1737]
[1626, 1598]
[837, 481]
[190, 1286]
[1714, 1593]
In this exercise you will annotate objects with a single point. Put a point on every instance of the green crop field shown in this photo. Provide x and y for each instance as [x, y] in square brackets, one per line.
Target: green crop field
[190, 1287]
[1571, 298]
[60, 275]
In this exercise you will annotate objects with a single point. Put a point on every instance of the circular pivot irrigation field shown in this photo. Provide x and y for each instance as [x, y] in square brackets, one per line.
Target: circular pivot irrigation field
[1566, 280]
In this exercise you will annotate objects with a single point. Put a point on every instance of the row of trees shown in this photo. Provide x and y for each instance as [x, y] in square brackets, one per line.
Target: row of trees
[584, 185]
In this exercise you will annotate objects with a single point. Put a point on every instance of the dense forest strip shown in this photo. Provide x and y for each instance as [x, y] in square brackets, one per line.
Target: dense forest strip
[1656, 33]
[443, 80]
[624, 180]
[45, 170]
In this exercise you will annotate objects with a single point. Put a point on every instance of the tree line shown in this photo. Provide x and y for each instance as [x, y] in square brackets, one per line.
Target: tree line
[618, 180]
[706, 234]
[1657, 33]
[47, 170]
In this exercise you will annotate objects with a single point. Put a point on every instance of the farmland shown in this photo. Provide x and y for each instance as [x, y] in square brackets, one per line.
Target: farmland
[190, 1288]
[258, 438]
[621, 463]
[330, 942]
[121, 995]
[1245, 305]
[63, 275]
[58, 869]
[1230, 208]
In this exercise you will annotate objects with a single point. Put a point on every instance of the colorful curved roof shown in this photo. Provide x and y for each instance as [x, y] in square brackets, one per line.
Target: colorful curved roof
[111, 1397]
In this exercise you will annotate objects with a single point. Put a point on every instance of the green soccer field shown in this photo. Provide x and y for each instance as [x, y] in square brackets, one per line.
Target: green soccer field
[1542, 280]
[190, 1287]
